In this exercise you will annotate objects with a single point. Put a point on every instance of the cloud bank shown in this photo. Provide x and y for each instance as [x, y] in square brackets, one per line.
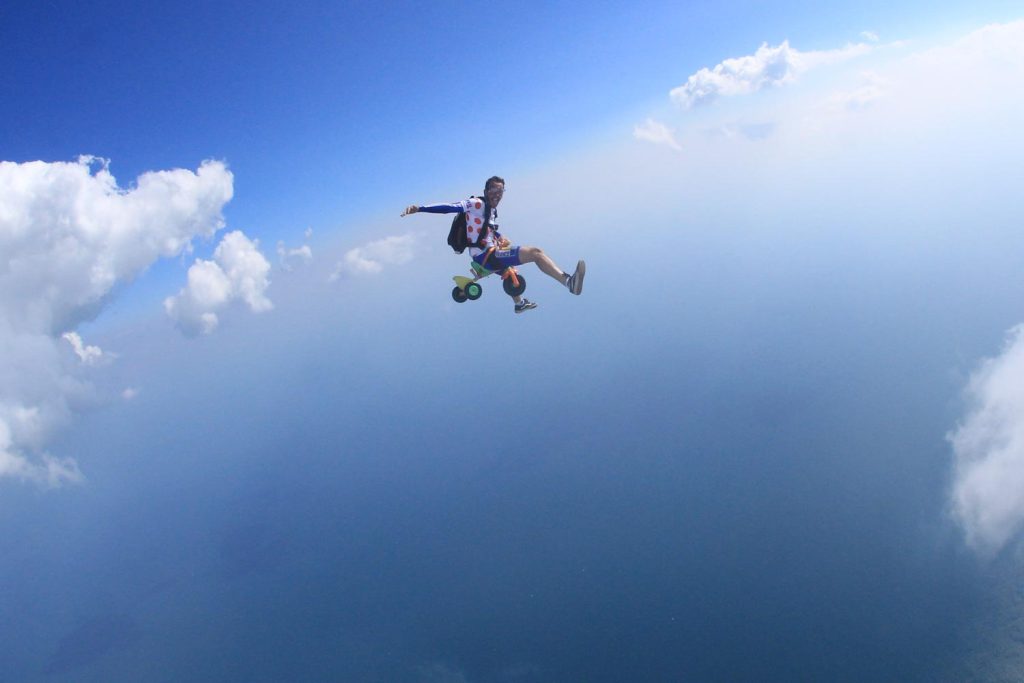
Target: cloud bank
[768, 67]
[988, 490]
[69, 235]
[238, 272]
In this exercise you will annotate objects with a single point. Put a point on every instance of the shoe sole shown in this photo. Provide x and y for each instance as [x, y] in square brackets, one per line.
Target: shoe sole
[577, 282]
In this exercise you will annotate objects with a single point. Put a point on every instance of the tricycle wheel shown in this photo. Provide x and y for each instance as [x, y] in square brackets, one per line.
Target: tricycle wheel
[459, 295]
[511, 289]
[473, 291]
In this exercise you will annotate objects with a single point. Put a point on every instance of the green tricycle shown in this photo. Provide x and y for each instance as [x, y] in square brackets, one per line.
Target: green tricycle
[469, 289]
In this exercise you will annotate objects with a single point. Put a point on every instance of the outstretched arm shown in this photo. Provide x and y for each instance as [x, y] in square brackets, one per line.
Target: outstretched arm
[457, 207]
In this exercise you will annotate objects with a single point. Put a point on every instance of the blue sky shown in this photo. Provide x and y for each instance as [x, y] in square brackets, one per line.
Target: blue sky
[246, 435]
[334, 105]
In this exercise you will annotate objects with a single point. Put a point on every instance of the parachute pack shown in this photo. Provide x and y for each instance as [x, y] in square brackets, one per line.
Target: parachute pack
[457, 238]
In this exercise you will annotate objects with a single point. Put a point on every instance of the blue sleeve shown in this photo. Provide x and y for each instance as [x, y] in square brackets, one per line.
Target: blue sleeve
[442, 208]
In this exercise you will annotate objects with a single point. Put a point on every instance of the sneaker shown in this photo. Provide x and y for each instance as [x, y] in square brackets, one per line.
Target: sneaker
[525, 305]
[575, 281]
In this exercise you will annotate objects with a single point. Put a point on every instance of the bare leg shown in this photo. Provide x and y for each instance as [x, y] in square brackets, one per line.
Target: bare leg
[543, 261]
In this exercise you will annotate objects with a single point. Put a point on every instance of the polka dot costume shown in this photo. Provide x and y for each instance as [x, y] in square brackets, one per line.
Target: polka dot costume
[474, 209]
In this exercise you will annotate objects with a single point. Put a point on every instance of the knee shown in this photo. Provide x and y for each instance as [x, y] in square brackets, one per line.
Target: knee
[530, 253]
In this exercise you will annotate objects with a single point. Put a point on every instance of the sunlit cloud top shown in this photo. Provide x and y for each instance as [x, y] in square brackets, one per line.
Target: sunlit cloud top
[768, 67]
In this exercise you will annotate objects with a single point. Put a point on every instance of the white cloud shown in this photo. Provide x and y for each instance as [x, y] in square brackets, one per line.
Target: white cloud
[289, 258]
[130, 393]
[658, 133]
[869, 36]
[371, 258]
[768, 67]
[238, 272]
[988, 491]
[46, 469]
[89, 355]
[68, 235]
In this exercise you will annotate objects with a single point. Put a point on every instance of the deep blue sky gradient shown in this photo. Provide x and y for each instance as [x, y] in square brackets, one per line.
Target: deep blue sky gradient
[746, 486]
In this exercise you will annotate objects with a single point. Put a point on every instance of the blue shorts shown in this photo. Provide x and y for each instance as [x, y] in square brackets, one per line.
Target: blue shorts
[500, 259]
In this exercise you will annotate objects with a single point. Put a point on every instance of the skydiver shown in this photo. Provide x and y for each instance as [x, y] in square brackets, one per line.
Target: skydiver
[493, 249]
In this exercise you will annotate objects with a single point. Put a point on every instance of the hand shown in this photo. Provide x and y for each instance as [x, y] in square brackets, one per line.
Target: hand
[412, 208]
[504, 243]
